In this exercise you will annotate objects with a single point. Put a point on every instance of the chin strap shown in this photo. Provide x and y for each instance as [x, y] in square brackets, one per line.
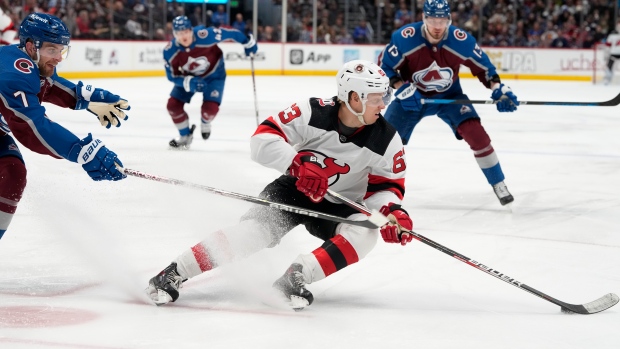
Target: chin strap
[360, 116]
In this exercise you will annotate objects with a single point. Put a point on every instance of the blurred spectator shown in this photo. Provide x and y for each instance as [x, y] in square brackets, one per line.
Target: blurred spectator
[239, 23]
[220, 17]
[361, 33]
[402, 15]
[82, 23]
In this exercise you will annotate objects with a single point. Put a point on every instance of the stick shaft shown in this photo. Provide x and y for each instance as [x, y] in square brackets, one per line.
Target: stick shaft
[248, 198]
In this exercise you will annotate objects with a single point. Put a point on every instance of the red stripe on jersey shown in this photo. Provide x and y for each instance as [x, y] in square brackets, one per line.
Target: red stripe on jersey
[202, 257]
[269, 126]
[330, 256]
[346, 248]
[325, 261]
[379, 183]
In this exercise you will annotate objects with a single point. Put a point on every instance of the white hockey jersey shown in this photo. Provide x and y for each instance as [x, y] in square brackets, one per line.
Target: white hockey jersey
[613, 40]
[368, 165]
[7, 29]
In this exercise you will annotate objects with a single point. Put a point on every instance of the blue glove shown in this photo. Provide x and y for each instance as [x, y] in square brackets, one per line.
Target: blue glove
[97, 160]
[250, 46]
[193, 84]
[409, 97]
[108, 107]
[506, 100]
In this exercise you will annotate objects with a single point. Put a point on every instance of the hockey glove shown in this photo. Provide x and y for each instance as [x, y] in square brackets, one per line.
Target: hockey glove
[312, 179]
[193, 84]
[97, 160]
[409, 97]
[108, 107]
[506, 100]
[250, 46]
[397, 230]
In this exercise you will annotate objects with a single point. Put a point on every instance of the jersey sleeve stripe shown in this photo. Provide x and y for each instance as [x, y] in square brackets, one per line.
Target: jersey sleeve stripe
[378, 183]
[269, 126]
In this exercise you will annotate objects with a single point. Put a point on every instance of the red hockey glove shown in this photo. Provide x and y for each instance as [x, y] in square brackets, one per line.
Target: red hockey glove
[397, 230]
[312, 179]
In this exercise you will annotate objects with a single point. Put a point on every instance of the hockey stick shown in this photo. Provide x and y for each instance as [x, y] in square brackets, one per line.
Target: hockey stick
[610, 103]
[252, 199]
[603, 303]
[254, 85]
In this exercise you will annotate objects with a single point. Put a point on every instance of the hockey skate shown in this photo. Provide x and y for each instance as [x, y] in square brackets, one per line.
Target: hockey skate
[164, 287]
[205, 129]
[502, 193]
[292, 286]
[183, 142]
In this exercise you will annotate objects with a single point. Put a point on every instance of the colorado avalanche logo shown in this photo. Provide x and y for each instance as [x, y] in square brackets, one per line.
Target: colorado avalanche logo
[202, 33]
[433, 78]
[24, 65]
[331, 168]
[407, 32]
[460, 35]
[196, 65]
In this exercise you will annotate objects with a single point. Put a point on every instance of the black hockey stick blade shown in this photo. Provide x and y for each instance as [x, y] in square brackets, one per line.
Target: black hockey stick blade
[596, 306]
[610, 103]
[248, 198]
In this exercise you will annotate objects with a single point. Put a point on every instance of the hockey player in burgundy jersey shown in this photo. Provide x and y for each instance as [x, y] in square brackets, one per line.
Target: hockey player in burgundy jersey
[423, 60]
[28, 78]
[342, 143]
[194, 63]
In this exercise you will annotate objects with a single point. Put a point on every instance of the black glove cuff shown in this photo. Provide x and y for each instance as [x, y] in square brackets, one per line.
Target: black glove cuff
[397, 207]
[394, 79]
[309, 158]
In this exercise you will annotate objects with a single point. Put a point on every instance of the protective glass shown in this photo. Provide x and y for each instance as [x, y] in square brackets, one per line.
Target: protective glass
[437, 22]
[184, 34]
[59, 52]
[376, 99]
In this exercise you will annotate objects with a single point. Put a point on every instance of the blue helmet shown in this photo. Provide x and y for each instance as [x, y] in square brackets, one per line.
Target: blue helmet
[40, 28]
[181, 23]
[436, 8]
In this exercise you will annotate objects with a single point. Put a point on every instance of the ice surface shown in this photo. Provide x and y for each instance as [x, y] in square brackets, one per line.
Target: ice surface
[78, 254]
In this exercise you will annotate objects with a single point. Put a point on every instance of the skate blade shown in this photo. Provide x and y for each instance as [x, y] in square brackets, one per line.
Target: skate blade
[279, 300]
[159, 297]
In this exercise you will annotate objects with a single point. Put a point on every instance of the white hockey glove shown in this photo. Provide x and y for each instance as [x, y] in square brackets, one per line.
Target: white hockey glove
[109, 114]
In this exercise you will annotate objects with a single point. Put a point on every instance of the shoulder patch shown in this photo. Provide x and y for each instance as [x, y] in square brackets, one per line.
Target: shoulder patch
[407, 32]
[202, 33]
[460, 34]
[168, 46]
[24, 65]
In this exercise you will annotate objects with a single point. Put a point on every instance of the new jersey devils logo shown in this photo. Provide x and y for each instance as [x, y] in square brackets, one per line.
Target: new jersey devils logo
[433, 78]
[331, 168]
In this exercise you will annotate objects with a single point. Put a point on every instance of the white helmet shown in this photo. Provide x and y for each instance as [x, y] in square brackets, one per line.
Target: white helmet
[363, 77]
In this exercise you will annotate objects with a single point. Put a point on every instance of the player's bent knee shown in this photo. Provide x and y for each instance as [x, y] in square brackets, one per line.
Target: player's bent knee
[175, 106]
[209, 110]
[474, 134]
[362, 239]
[12, 178]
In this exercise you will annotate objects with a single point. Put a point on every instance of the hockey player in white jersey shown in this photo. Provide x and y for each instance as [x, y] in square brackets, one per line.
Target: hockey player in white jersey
[342, 143]
[423, 60]
[613, 42]
[7, 28]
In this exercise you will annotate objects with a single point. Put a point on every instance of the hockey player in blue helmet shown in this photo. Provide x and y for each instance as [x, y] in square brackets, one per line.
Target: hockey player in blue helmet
[195, 64]
[423, 60]
[27, 79]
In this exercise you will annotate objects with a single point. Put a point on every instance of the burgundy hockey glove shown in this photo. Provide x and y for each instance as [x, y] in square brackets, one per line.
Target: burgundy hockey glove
[312, 180]
[397, 230]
